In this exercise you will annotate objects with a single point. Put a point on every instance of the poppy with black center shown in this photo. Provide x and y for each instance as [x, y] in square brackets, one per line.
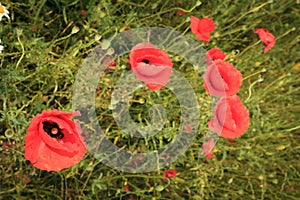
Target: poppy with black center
[151, 65]
[53, 130]
[53, 141]
[146, 61]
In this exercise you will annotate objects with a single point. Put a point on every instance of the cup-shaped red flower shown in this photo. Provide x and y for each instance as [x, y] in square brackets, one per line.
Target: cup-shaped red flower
[213, 55]
[53, 142]
[222, 79]
[151, 65]
[266, 37]
[169, 173]
[202, 27]
[231, 118]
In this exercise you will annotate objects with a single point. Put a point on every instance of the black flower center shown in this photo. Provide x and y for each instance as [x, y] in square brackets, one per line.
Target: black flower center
[146, 61]
[53, 130]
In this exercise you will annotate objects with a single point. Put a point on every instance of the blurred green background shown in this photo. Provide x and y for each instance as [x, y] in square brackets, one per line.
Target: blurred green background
[46, 41]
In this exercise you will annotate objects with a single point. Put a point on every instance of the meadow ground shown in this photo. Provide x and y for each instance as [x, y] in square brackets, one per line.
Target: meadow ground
[45, 43]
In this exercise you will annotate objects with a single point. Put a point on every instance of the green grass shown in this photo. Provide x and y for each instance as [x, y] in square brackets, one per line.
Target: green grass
[38, 68]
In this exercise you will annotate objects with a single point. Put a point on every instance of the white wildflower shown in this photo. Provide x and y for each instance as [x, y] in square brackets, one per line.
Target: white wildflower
[1, 47]
[3, 12]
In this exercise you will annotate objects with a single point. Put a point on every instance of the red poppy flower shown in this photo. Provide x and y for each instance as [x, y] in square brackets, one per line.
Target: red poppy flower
[221, 78]
[214, 54]
[169, 173]
[202, 27]
[151, 65]
[53, 142]
[207, 148]
[231, 118]
[266, 37]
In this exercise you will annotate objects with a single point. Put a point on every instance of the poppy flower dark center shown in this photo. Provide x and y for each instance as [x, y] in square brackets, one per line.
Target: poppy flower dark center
[53, 130]
[146, 61]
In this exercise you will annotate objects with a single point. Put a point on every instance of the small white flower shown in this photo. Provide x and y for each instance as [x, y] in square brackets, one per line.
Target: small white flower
[3, 12]
[1, 47]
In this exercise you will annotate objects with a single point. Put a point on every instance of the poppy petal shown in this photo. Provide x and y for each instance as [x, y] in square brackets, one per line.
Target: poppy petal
[214, 54]
[169, 173]
[266, 37]
[207, 148]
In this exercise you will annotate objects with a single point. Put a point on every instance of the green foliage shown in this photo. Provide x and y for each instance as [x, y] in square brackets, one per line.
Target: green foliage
[46, 41]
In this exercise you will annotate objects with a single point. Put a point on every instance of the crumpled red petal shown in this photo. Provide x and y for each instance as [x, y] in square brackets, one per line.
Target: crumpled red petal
[266, 37]
[202, 27]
